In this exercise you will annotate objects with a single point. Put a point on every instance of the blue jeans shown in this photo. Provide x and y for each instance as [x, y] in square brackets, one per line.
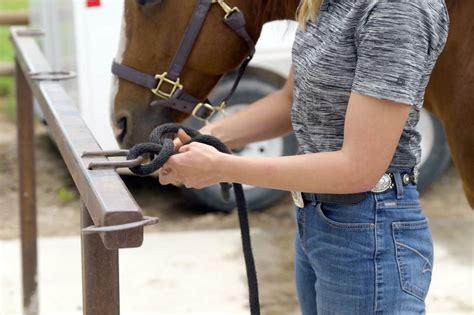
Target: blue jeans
[373, 257]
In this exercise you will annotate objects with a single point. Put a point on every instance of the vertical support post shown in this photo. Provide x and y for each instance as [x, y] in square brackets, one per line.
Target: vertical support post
[27, 190]
[100, 273]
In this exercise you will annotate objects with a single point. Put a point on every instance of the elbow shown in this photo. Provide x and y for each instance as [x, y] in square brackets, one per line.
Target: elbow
[363, 171]
[366, 184]
[365, 179]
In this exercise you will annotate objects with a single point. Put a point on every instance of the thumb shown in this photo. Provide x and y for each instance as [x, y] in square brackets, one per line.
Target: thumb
[183, 136]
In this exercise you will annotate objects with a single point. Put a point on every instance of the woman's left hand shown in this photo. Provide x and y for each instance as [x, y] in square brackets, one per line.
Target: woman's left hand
[196, 166]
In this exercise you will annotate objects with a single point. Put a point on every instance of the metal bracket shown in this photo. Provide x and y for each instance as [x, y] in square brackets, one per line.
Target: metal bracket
[30, 33]
[93, 229]
[52, 75]
[112, 164]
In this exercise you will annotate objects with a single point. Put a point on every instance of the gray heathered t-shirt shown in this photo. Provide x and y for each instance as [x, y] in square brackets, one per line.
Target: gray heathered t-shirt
[381, 48]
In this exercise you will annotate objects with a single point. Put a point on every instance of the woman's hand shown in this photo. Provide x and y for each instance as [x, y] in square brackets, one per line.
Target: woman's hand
[183, 138]
[196, 166]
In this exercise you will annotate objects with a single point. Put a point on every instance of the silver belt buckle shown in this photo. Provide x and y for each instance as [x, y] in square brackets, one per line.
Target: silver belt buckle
[297, 199]
[383, 184]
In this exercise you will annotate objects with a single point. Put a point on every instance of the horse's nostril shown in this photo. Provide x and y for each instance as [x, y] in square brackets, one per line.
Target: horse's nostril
[121, 129]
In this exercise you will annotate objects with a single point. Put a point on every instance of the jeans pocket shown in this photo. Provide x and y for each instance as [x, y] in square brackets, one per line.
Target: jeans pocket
[348, 217]
[414, 255]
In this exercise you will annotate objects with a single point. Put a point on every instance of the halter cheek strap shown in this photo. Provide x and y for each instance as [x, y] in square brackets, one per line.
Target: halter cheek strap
[168, 86]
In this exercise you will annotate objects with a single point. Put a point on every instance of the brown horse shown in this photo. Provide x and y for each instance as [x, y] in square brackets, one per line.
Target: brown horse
[153, 29]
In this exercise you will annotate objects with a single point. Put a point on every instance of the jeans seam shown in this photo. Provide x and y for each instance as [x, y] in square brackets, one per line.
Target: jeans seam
[376, 270]
[304, 228]
[302, 223]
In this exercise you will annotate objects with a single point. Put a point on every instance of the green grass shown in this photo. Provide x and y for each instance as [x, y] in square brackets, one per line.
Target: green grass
[6, 56]
[13, 4]
[66, 195]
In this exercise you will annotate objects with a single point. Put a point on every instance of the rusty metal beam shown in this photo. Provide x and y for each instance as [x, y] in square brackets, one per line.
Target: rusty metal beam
[104, 194]
[27, 188]
[100, 273]
[14, 18]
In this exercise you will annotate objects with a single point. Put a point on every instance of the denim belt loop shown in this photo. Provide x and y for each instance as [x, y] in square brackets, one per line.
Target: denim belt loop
[313, 199]
[398, 185]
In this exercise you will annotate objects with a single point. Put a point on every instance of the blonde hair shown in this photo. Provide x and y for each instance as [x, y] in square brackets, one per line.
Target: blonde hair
[307, 11]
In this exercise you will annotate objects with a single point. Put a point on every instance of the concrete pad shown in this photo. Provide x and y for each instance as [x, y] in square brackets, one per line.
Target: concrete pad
[172, 273]
[452, 284]
[203, 273]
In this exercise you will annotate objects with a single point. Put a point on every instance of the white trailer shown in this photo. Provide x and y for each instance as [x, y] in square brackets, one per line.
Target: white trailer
[82, 36]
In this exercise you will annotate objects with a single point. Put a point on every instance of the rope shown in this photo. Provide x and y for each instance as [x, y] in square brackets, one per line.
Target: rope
[161, 148]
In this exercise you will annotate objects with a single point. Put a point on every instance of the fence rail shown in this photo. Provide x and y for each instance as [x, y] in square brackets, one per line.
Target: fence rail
[104, 197]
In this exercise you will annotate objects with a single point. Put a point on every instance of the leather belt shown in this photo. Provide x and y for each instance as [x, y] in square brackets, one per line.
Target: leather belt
[385, 183]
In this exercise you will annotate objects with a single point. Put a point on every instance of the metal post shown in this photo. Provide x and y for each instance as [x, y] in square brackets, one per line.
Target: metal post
[14, 18]
[27, 188]
[7, 69]
[100, 273]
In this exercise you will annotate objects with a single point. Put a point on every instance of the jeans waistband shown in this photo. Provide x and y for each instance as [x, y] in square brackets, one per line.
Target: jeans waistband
[398, 180]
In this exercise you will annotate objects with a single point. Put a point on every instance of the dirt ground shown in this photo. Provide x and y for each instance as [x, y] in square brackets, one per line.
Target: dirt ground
[58, 212]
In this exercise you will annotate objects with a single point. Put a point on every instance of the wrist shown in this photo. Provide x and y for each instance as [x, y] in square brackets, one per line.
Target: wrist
[208, 129]
[222, 167]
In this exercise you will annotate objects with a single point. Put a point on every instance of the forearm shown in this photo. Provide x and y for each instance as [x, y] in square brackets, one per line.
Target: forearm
[329, 172]
[265, 119]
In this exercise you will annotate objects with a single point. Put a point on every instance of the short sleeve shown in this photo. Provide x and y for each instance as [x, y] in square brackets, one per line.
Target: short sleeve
[395, 50]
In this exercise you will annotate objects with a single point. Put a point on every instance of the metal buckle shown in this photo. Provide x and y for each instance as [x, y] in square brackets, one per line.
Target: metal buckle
[176, 85]
[227, 9]
[213, 109]
[383, 184]
[207, 106]
[297, 199]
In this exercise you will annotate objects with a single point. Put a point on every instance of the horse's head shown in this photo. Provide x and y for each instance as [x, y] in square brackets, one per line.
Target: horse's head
[152, 31]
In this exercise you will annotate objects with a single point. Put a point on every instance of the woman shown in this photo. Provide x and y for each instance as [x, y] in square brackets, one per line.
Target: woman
[353, 99]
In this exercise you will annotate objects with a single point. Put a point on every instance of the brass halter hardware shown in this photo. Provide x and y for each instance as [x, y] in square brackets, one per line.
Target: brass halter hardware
[213, 109]
[168, 85]
[175, 85]
[227, 8]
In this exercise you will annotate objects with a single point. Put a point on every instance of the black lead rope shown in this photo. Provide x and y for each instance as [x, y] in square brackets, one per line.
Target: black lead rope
[161, 148]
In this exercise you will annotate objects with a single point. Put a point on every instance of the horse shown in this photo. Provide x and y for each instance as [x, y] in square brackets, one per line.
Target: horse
[153, 31]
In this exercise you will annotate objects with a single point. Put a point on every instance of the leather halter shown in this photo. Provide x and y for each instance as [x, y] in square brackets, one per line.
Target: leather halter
[176, 97]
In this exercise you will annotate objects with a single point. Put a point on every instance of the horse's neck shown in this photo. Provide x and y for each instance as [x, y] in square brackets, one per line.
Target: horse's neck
[272, 10]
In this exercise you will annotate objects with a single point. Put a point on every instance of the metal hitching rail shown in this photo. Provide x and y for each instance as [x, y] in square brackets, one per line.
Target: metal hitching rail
[110, 217]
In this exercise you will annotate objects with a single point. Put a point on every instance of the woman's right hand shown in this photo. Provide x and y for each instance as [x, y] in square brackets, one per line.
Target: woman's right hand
[182, 138]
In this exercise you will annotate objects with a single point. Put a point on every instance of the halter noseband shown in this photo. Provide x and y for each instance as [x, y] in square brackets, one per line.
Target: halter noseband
[176, 97]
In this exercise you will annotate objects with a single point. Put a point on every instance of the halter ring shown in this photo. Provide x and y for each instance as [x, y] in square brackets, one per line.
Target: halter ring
[162, 79]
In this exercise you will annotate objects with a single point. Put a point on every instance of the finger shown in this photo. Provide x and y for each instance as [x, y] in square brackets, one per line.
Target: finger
[177, 144]
[164, 171]
[168, 179]
[183, 136]
[171, 163]
[164, 179]
[185, 148]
